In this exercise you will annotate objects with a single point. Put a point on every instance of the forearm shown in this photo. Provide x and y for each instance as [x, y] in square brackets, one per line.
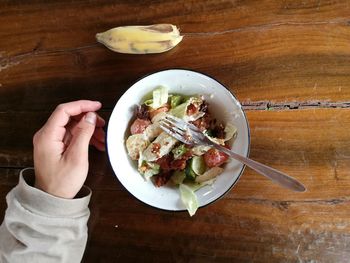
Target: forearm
[39, 227]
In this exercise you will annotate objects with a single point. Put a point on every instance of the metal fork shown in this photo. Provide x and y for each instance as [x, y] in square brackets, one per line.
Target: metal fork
[191, 135]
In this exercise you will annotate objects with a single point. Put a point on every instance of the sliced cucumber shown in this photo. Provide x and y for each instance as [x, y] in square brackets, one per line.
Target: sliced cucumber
[180, 110]
[175, 100]
[190, 174]
[149, 102]
[198, 165]
[178, 177]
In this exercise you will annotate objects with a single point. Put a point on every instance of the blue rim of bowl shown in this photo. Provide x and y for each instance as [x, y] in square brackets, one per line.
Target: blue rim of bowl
[248, 150]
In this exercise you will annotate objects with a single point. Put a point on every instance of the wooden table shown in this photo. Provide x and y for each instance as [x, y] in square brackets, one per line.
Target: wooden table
[288, 62]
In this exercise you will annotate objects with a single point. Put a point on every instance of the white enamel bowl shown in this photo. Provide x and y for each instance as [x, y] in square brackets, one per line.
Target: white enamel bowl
[222, 104]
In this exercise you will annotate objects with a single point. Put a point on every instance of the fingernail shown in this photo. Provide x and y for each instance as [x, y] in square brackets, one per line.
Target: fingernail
[90, 117]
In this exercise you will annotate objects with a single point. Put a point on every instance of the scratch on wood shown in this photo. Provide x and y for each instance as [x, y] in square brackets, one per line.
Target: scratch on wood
[292, 105]
[38, 45]
[7, 64]
[80, 60]
[285, 204]
[268, 26]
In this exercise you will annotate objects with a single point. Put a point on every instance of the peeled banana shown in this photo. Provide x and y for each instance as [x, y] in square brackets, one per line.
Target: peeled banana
[141, 39]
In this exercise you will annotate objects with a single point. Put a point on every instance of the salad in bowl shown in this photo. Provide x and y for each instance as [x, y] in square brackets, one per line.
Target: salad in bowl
[159, 170]
[167, 161]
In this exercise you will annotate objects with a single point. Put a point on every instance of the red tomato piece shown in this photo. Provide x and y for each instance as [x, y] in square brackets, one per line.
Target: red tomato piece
[139, 126]
[214, 158]
[191, 109]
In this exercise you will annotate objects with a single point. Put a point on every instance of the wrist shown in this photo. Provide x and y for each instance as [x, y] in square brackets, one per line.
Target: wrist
[43, 203]
[54, 191]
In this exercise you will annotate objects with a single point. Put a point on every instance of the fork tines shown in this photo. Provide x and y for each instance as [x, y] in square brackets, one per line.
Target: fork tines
[171, 126]
[181, 123]
[177, 122]
[174, 130]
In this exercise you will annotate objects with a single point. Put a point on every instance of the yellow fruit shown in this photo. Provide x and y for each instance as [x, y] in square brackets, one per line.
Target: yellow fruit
[141, 39]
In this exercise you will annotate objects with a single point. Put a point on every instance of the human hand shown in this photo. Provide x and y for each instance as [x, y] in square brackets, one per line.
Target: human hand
[61, 147]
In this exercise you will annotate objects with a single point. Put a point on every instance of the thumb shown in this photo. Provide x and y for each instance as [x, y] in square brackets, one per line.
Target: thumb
[81, 136]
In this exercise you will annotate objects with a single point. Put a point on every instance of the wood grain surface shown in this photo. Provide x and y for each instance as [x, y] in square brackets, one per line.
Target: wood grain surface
[288, 62]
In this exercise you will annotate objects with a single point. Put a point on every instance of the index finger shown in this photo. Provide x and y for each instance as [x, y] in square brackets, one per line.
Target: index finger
[61, 115]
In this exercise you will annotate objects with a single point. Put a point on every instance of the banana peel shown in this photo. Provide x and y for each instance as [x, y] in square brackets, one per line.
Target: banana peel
[149, 39]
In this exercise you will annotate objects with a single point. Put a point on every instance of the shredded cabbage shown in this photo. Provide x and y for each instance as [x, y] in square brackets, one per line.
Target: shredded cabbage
[210, 174]
[189, 199]
[230, 131]
[160, 97]
[180, 111]
[196, 186]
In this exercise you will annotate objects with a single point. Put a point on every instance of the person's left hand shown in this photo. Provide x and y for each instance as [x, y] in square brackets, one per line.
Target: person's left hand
[61, 147]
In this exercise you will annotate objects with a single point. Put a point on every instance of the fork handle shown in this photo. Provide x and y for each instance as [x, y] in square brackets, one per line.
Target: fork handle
[269, 172]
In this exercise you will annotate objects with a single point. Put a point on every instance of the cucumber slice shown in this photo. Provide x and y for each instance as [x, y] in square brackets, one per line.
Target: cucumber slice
[175, 100]
[149, 102]
[178, 177]
[198, 165]
[190, 174]
[180, 110]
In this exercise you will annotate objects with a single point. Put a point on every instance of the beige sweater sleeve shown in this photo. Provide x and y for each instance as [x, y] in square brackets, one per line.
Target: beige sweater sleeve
[39, 227]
